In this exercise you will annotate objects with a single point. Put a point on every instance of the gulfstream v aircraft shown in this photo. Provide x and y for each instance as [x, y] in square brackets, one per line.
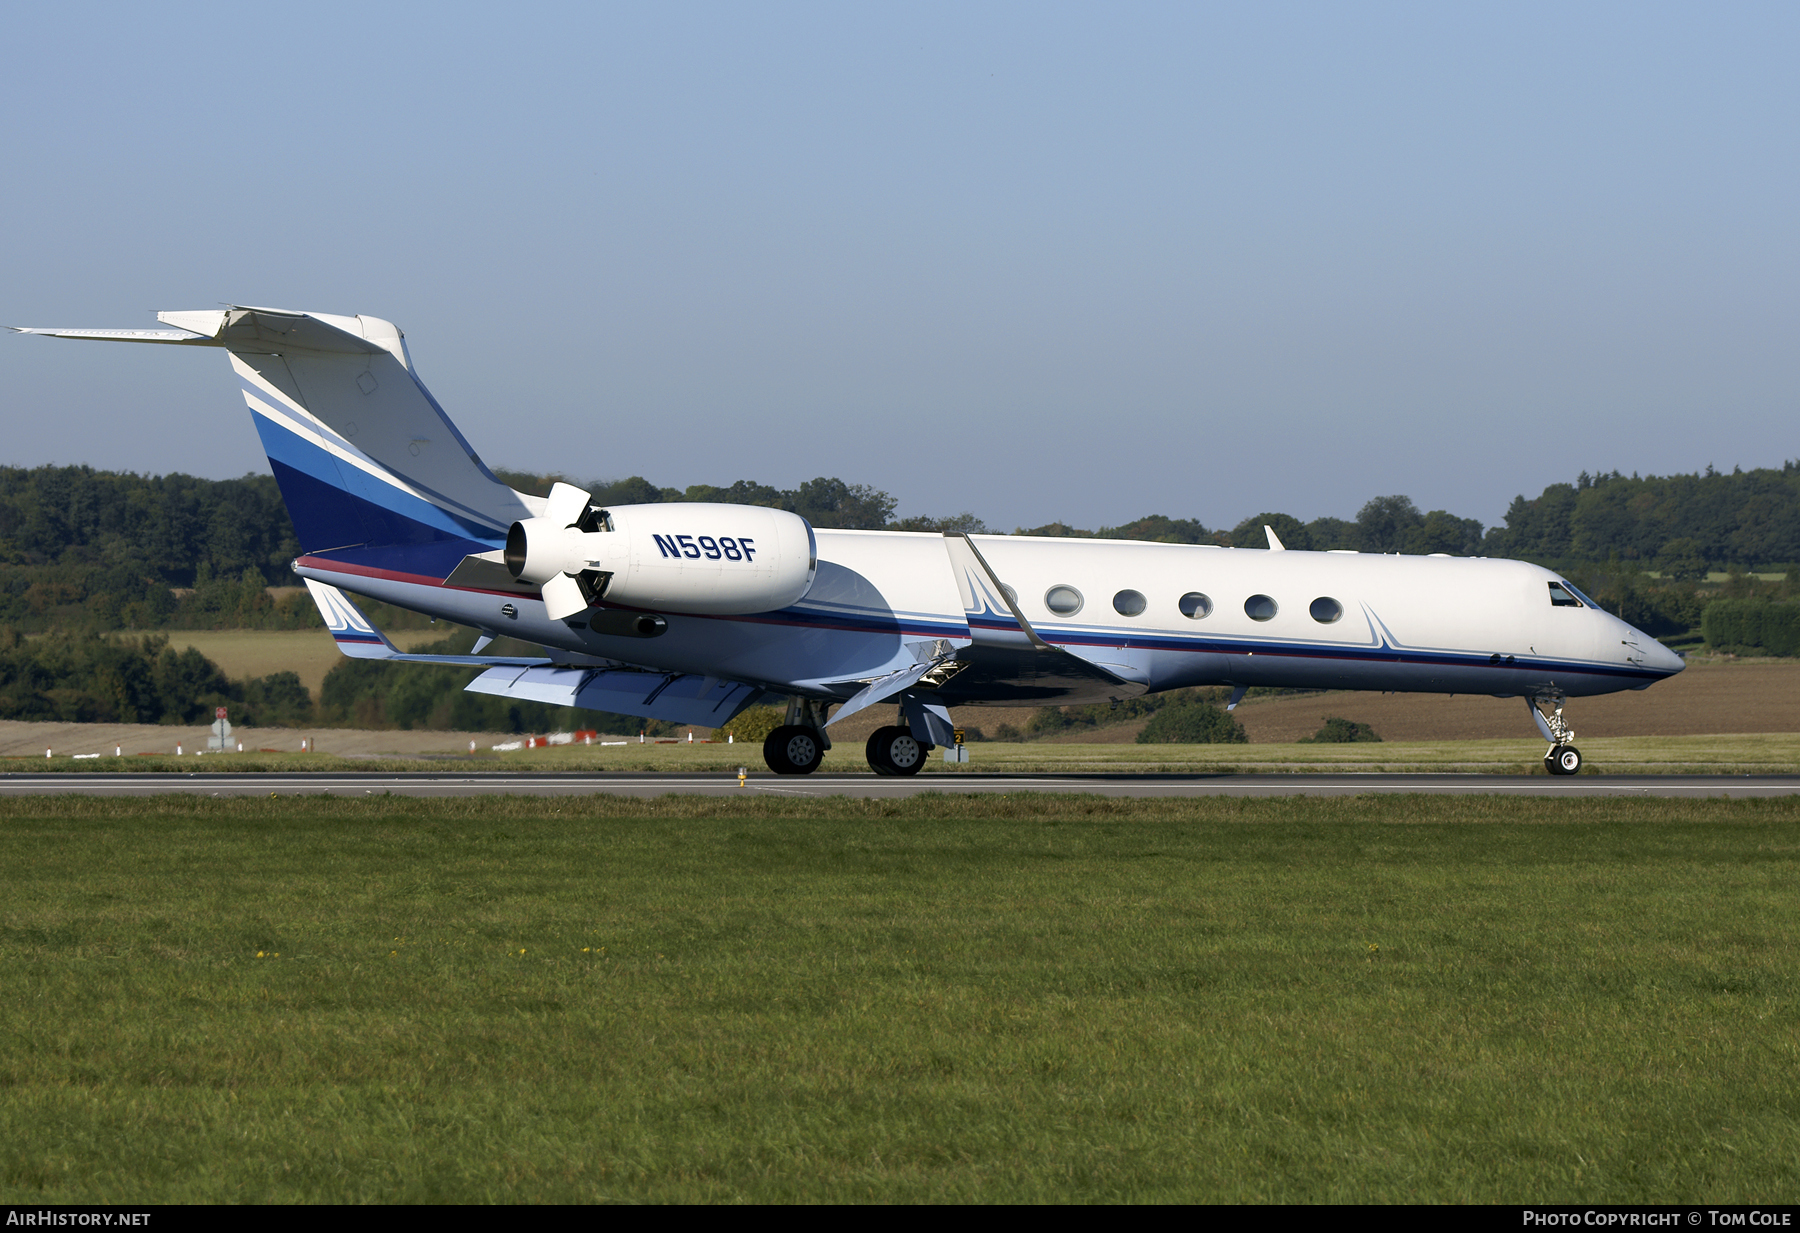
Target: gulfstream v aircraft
[692, 612]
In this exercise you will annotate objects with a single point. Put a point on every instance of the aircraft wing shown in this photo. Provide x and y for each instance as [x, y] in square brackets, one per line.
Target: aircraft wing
[681, 698]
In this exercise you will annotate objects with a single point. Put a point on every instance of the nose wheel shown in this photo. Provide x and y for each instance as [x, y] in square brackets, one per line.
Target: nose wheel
[895, 751]
[1563, 760]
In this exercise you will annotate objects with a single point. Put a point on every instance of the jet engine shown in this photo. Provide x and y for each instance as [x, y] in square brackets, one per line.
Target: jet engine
[678, 557]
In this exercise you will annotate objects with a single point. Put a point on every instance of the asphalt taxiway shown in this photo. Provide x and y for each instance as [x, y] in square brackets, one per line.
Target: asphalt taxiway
[430, 784]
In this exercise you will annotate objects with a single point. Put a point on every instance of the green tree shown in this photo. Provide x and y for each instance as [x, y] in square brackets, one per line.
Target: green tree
[1442, 531]
[754, 723]
[1055, 530]
[1680, 560]
[1292, 533]
[1387, 524]
[1329, 534]
[1340, 731]
[964, 523]
[826, 502]
[1159, 528]
[1192, 723]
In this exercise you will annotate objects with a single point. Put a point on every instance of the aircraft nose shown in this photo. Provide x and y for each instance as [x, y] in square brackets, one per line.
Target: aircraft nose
[1657, 657]
[1662, 658]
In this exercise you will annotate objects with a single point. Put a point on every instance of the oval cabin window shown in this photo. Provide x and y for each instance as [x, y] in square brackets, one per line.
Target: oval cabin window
[1129, 603]
[1326, 610]
[1063, 600]
[1195, 606]
[1259, 608]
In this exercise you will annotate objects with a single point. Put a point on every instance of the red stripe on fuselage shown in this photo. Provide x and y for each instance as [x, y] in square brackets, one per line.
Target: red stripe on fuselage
[329, 566]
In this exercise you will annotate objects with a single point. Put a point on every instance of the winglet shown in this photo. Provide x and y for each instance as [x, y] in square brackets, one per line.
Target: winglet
[359, 639]
[1275, 545]
[350, 629]
[981, 588]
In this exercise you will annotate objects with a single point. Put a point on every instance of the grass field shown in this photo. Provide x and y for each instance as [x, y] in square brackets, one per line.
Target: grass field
[1027, 998]
[1770, 753]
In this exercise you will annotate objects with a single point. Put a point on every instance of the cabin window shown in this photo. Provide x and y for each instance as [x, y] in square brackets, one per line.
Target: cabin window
[1195, 606]
[1129, 603]
[1560, 597]
[1259, 608]
[1325, 610]
[1063, 600]
[1011, 594]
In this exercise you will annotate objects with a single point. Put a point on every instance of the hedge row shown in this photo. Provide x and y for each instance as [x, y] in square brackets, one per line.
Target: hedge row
[1769, 627]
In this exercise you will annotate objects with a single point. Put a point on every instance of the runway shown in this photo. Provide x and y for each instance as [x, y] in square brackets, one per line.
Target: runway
[429, 784]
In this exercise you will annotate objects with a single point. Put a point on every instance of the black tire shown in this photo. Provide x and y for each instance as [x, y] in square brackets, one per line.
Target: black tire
[1563, 760]
[793, 750]
[872, 751]
[894, 751]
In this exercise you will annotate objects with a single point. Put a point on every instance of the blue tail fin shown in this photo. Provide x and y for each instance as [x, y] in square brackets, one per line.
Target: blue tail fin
[365, 457]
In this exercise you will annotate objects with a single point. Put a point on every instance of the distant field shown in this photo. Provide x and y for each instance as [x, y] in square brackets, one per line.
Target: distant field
[1018, 999]
[1709, 697]
[243, 653]
[1721, 715]
[1712, 696]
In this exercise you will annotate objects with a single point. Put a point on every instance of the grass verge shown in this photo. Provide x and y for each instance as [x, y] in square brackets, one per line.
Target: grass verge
[1733, 753]
[1018, 998]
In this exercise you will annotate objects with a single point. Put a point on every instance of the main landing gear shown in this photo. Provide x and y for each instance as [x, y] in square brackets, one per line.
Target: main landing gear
[1562, 758]
[798, 746]
[896, 751]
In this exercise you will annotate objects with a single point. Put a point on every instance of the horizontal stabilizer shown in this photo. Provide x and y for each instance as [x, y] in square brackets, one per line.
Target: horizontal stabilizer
[138, 336]
[253, 331]
[486, 571]
[359, 639]
[703, 701]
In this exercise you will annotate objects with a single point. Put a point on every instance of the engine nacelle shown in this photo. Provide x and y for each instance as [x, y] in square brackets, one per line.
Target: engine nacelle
[679, 557]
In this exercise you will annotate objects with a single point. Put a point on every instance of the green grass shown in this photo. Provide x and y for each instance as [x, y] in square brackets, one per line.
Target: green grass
[1739, 753]
[1017, 998]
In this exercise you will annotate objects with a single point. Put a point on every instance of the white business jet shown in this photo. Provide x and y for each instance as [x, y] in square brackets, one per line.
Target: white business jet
[691, 612]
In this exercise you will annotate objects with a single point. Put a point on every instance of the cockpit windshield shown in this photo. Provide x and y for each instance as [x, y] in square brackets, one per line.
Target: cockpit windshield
[1583, 596]
[1562, 595]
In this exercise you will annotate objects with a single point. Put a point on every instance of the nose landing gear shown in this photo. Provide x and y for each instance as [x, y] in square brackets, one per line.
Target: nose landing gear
[1562, 758]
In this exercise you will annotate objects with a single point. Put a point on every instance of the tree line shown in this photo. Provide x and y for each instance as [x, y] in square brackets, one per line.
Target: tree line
[82, 549]
[1680, 526]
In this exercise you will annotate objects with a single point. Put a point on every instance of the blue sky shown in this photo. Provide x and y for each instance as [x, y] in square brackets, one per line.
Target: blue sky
[1035, 261]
